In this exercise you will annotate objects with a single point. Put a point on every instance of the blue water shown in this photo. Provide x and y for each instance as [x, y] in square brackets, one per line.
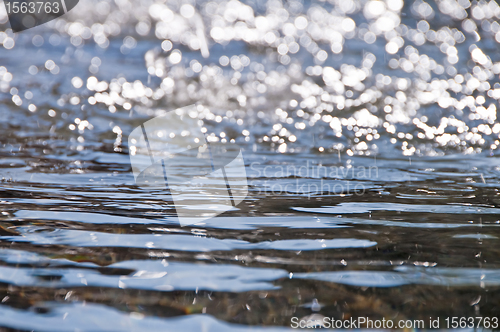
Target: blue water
[369, 132]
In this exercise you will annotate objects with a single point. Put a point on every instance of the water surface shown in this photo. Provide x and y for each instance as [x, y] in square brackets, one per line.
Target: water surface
[369, 131]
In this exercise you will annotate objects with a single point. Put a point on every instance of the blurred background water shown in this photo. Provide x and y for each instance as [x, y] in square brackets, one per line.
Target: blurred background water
[370, 136]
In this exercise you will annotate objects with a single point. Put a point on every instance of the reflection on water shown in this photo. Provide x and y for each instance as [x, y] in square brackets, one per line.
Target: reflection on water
[370, 140]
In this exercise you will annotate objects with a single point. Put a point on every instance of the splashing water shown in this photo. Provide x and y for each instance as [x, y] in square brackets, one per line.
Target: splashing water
[370, 134]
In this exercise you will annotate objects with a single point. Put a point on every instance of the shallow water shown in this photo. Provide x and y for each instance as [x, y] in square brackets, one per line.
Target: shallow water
[370, 142]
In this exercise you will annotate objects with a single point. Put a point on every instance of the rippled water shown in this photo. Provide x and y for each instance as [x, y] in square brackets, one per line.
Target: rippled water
[369, 132]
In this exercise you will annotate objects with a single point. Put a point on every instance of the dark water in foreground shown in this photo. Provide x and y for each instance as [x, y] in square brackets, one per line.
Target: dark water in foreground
[370, 139]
